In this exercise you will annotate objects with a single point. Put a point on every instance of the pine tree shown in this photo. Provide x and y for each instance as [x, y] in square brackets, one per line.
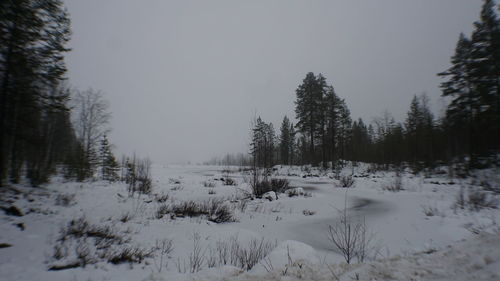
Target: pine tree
[285, 141]
[309, 97]
[33, 35]
[293, 147]
[332, 103]
[413, 130]
[345, 123]
[473, 83]
[109, 165]
[484, 69]
[462, 110]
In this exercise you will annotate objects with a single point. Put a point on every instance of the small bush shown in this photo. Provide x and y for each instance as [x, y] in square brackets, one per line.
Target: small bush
[210, 184]
[214, 209]
[346, 181]
[280, 185]
[133, 254]
[138, 176]
[307, 212]
[276, 185]
[429, 210]
[229, 181]
[295, 192]
[125, 217]
[478, 199]
[65, 200]
[162, 198]
[211, 191]
[162, 210]
[221, 214]
[177, 187]
[397, 183]
[261, 187]
[93, 243]
[103, 235]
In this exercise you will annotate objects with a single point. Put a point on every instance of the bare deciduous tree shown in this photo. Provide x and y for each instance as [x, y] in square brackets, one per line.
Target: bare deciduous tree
[91, 121]
[350, 237]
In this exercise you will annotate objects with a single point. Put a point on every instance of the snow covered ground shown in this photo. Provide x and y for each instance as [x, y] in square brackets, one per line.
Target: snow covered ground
[415, 234]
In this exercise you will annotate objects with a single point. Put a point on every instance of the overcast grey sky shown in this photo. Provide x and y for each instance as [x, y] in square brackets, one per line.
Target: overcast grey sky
[184, 78]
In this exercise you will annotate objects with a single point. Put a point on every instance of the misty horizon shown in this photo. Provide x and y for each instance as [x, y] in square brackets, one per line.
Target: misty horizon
[184, 79]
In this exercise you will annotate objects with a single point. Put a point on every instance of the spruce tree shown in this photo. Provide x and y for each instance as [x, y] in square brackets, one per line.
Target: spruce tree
[33, 35]
[109, 165]
[285, 141]
[309, 96]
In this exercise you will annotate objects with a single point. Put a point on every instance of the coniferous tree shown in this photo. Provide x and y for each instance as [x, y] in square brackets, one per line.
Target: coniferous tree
[33, 35]
[293, 146]
[109, 166]
[309, 96]
[345, 123]
[472, 119]
[285, 141]
[484, 69]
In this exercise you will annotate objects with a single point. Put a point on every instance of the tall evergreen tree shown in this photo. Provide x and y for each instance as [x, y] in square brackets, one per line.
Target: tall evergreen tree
[285, 141]
[309, 96]
[33, 35]
[109, 165]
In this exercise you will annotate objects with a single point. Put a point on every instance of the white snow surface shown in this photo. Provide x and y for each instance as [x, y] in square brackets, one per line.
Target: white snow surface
[407, 243]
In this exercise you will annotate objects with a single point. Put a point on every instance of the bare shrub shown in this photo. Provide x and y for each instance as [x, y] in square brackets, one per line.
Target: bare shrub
[257, 249]
[261, 186]
[460, 199]
[164, 247]
[229, 181]
[209, 184]
[162, 210]
[65, 200]
[346, 181]
[125, 217]
[233, 252]
[307, 212]
[162, 198]
[177, 187]
[299, 191]
[350, 237]
[397, 182]
[104, 235]
[92, 243]
[212, 191]
[280, 185]
[221, 214]
[138, 176]
[60, 251]
[429, 210]
[197, 256]
[214, 209]
[478, 199]
[132, 254]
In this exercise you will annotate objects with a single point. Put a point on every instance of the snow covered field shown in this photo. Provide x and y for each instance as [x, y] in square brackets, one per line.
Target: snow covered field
[415, 234]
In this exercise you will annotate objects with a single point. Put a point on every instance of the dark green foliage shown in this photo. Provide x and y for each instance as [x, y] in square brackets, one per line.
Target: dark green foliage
[323, 120]
[34, 119]
[286, 141]
[473, 83]
[263, 144]
[109, 166]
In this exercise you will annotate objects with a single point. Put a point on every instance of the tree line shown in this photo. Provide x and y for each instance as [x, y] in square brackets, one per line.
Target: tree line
[469, 132]
[45, 126]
